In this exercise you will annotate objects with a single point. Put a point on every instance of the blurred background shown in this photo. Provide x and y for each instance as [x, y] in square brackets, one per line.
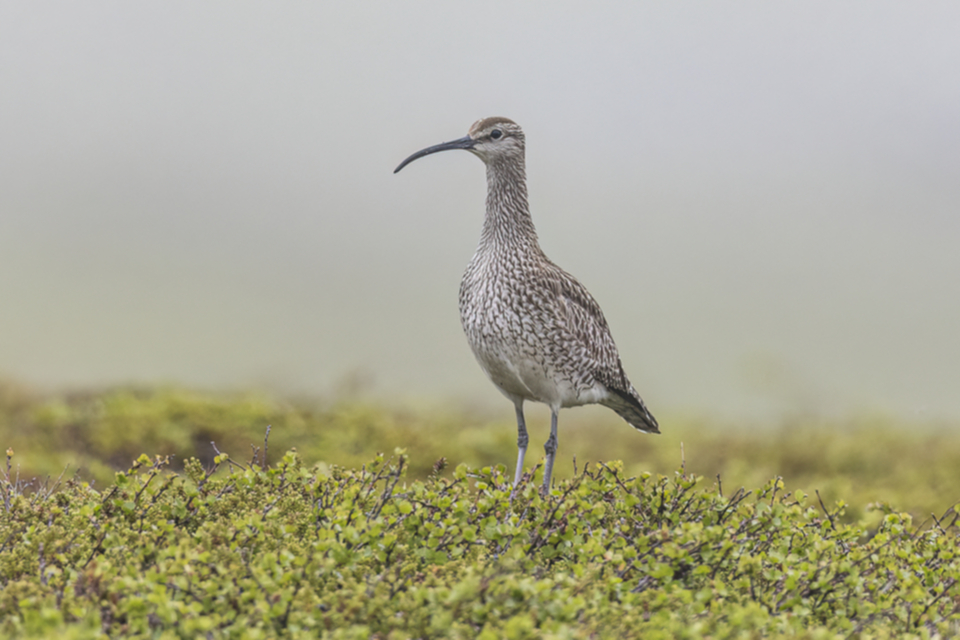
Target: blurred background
[763, 197]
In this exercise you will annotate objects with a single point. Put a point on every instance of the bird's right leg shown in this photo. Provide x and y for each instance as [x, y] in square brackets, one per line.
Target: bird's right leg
[522, 440]
[551, 449]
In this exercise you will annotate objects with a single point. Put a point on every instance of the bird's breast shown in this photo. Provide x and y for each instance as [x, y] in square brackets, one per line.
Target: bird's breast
[516, 334]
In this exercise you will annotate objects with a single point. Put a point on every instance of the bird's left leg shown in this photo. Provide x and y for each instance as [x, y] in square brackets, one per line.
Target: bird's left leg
[551, 449]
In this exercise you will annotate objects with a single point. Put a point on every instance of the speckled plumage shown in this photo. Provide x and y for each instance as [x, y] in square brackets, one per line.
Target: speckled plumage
[535, 330]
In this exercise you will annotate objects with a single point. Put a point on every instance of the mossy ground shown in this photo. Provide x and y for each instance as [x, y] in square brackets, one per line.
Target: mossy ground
[334, 540]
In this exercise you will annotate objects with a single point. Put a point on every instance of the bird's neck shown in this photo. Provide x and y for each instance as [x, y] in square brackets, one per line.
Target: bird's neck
[508, 223]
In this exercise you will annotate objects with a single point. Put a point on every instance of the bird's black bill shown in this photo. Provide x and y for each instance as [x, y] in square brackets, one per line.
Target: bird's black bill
[465, 142]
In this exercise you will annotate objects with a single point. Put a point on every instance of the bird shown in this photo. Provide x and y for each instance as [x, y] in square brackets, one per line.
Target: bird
[536, 331]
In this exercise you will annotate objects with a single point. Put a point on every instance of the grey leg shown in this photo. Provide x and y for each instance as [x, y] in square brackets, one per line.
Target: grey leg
[522, 440]
[551, 449]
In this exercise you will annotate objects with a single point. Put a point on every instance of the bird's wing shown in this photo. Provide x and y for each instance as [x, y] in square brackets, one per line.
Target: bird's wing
[587, 330]
[589, 337]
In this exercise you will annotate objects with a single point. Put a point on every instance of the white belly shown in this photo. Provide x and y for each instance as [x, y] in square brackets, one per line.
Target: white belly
[523, 362]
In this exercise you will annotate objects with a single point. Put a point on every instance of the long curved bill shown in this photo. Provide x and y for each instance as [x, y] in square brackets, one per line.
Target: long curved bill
[465, 142]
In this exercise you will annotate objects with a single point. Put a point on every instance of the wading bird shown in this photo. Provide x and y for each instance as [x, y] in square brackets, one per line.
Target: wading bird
[537, 333]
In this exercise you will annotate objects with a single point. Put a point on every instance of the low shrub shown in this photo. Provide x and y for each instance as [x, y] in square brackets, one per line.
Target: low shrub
[292, 550]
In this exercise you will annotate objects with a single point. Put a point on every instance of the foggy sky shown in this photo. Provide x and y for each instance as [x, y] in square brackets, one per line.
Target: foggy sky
[763, 197]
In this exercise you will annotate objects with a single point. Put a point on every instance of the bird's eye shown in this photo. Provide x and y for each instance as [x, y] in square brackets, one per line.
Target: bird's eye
[496, 133]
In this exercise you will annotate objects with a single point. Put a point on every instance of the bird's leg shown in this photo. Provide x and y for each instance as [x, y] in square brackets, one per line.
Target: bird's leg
[551, 449]
[522, 440]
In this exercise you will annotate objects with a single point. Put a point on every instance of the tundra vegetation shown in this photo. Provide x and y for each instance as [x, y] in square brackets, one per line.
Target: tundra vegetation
[120, 518]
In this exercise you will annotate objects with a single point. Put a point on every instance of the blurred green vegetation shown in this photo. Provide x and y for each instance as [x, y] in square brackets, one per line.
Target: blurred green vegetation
[859, 461]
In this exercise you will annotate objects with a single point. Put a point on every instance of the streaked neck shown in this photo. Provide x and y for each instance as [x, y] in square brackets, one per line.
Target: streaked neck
[508, 221]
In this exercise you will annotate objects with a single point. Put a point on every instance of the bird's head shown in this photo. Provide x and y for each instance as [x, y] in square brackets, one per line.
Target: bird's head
[493, 140]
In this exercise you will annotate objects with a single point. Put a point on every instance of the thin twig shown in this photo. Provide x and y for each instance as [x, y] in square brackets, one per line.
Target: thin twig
[229, 459]
[266, 436]
[822, 506]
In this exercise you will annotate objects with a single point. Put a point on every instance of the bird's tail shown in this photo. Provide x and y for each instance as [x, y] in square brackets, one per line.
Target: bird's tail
[630, 407]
